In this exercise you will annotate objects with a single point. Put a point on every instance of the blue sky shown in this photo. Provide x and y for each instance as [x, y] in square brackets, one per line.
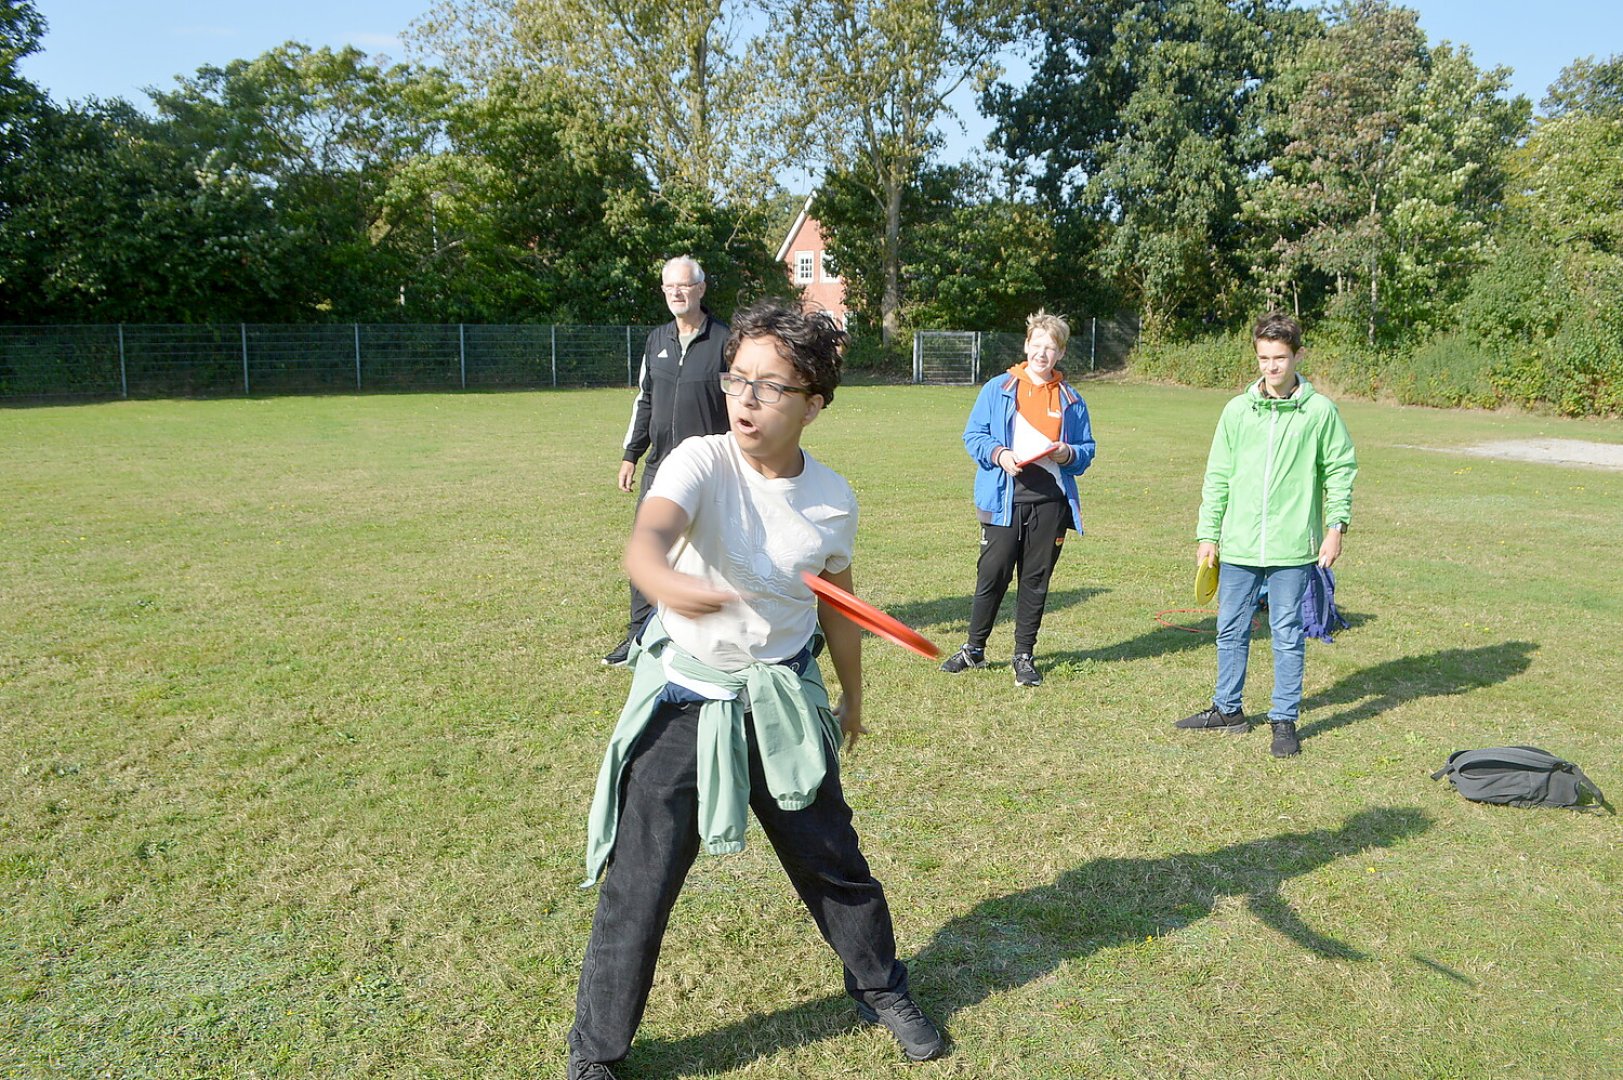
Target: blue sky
[115, 48]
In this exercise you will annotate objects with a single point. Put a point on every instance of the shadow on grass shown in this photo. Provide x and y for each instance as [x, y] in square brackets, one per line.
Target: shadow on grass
[954, 610]
[1196, 632]
[1442, 969]
[1013, 940]
[1373, 690]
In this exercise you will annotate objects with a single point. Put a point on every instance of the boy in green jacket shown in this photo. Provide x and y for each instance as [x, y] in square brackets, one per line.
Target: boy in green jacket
[1276, 500]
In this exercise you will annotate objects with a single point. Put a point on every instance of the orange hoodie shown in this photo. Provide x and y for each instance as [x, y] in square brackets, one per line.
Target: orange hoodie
[1040, 404]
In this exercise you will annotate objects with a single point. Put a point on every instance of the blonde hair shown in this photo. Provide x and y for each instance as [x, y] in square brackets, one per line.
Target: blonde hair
[1054, 325]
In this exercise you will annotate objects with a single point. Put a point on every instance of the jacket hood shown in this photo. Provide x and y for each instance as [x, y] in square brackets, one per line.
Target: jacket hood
[1018, 371]
[1259, 400]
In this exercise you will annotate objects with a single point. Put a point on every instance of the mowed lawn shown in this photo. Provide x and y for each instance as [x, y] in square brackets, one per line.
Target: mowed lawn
[301, 710]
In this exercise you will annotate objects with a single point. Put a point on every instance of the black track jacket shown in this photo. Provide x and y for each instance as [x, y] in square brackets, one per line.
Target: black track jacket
[677, 396]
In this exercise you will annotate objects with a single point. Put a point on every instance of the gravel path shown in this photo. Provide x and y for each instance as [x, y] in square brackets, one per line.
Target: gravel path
[1593, 455]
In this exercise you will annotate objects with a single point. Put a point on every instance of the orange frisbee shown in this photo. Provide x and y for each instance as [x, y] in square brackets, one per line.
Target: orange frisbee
[869, 617]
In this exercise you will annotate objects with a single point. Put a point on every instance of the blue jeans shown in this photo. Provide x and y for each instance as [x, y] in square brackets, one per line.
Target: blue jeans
[1237, 588]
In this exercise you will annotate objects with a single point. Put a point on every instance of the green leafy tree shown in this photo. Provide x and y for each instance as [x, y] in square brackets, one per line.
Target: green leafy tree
[706, 111]
[1587, 87]
[1138, 128]
[21, 102]
[1549, 302]
[23, 108]
[983, 266]
[323, 134]
[114, 222]
[876, 75]
[1376, 211]
[542, 213]
[971, 260]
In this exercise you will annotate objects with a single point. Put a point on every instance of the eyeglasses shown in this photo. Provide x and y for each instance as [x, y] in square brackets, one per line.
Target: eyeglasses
[767, 393]
[686, 286]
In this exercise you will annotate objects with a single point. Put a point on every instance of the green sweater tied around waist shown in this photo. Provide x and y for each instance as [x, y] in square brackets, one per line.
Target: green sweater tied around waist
[794, 729]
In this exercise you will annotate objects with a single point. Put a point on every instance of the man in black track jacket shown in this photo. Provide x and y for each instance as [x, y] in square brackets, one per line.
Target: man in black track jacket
[678, 395]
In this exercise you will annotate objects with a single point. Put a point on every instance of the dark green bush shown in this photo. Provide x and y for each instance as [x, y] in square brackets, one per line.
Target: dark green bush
[1448, 371]
[1216, 362]
[1578, 372]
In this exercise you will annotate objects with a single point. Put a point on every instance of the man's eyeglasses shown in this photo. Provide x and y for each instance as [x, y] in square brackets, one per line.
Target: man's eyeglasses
[767, 393]
[686, 286]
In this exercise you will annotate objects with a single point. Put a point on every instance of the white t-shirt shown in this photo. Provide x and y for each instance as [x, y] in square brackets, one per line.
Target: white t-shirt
[754, 536]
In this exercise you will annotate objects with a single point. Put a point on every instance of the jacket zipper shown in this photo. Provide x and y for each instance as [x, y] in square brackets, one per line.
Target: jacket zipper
[1267, 482]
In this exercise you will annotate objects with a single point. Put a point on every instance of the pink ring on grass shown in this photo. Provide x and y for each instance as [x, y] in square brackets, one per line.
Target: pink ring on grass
[1160, 617]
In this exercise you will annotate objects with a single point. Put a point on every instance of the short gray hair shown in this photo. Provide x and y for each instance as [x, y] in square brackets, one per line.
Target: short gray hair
[689, 263]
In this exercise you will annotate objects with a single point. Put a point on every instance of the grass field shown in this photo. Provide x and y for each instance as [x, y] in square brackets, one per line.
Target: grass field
[300, 712]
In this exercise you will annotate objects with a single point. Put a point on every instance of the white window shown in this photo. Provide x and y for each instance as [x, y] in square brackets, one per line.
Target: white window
[828, 272]
[803, 267]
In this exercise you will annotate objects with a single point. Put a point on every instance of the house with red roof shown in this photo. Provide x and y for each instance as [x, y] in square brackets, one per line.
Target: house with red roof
[802, 253]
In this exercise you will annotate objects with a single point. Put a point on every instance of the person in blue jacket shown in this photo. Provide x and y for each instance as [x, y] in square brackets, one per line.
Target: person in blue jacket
[1030, 437]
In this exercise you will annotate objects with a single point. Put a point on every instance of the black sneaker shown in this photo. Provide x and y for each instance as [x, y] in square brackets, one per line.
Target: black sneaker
[619, 654]
[1233, 723]
[1286, 744]
[965, 657]
[581, 1069]
[901, 1014]
[1025, 671]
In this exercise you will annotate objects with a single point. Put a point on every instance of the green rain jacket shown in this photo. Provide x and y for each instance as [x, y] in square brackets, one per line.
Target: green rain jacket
[1279, 469]
[794, 728]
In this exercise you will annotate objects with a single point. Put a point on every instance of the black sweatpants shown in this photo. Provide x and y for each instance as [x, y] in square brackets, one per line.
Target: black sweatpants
[1032, 542]
[641, 609]
[654, 847]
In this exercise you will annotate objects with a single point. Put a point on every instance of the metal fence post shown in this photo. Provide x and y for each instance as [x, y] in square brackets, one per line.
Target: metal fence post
[1093, 349]
[918, 359]
[554, 329]
[629, 374]
[247, 391]
[462, 350]
[357, 356]
[123, 372]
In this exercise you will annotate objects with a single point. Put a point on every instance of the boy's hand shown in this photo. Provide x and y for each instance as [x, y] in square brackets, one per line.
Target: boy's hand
[1062, 454]
[1008, 462]
[1206, 554]
[660, 523]
[688, 596]
[1330, 550]
[850, 717]
[628, 470]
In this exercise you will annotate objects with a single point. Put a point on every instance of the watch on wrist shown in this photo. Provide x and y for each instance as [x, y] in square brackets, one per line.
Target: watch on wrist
[1338, 526]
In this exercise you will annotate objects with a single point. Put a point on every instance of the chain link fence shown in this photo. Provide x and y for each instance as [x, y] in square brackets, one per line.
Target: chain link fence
[967, 357]
[227, 359]
[217, 360]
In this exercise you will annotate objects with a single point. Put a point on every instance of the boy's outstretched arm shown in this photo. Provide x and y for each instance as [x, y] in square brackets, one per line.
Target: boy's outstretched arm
[845, 649]
[660, 524]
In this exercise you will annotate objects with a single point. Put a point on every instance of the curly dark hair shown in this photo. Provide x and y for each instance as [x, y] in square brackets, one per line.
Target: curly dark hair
[1277, 326]
[809, 340]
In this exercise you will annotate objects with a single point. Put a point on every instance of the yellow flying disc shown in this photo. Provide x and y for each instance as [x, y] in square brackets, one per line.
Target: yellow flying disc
[1205, 583]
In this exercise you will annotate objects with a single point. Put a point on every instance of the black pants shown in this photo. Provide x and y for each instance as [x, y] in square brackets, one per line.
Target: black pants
[641, 609]
[655, 845]
[1031, 541]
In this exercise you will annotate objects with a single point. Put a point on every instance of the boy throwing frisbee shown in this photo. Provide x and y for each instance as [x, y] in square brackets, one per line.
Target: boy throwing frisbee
[727, 708]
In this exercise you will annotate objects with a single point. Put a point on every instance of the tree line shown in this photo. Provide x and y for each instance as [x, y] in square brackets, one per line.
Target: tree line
[1191, 160]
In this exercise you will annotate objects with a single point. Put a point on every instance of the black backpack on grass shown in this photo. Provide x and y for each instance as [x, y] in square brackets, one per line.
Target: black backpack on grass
[1519, 776]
